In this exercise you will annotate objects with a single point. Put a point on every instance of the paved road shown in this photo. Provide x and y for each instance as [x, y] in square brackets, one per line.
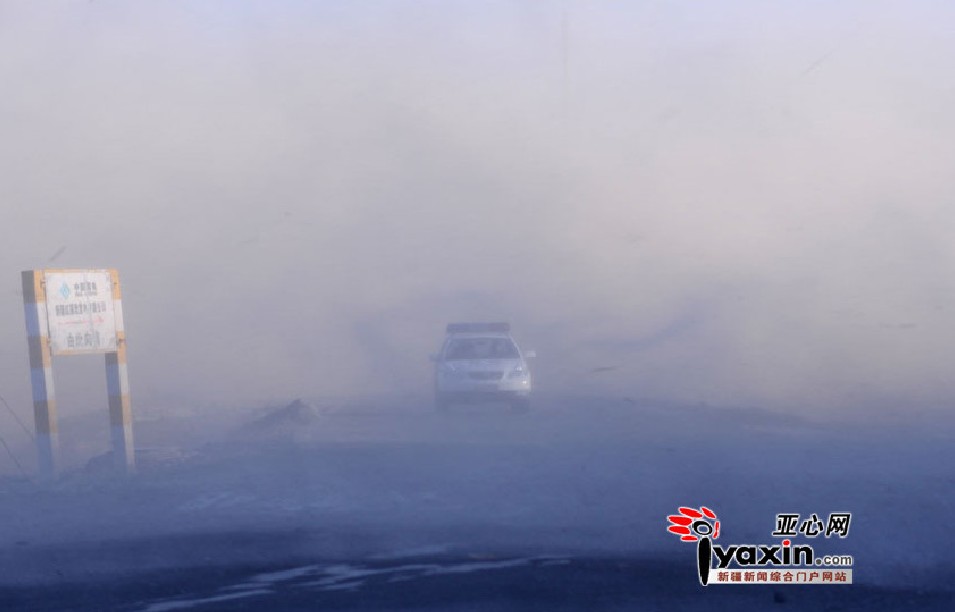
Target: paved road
[396, 507]
[471, 582]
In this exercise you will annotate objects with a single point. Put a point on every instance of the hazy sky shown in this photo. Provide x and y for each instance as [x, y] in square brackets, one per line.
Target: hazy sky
[733, 202]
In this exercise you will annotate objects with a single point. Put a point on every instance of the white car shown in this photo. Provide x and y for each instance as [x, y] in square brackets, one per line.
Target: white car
[481, 362]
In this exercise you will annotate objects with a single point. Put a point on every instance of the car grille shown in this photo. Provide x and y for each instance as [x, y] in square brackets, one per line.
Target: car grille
[485, 375]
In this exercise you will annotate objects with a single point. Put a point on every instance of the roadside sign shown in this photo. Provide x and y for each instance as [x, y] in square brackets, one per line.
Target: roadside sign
[80, 312]
[72, 312]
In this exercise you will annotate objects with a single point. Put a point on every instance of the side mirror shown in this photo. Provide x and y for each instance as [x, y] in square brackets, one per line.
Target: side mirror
[530, 354]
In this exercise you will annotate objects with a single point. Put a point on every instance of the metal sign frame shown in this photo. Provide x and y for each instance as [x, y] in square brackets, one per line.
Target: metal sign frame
[38, 324]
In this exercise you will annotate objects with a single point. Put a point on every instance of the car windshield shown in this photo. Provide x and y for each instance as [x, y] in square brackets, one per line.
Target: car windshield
[481, 348]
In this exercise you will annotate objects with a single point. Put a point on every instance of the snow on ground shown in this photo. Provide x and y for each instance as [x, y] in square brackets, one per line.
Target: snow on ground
[575, 476]
[337, 578]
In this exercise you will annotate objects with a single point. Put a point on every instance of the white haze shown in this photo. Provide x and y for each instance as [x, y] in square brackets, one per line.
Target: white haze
[732, 203]
[726, 228]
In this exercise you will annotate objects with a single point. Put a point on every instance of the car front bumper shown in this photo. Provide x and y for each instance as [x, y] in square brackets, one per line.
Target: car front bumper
[516, 387]
[484, 396]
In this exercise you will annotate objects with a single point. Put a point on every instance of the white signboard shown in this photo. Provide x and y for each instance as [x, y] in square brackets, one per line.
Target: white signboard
[79, 308]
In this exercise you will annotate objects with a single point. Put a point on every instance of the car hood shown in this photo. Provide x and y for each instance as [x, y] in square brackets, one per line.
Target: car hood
[482, 365]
